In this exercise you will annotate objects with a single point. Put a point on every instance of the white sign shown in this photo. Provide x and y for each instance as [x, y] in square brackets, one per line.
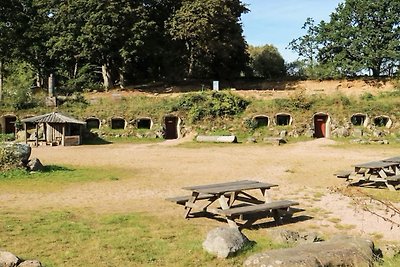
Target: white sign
[215, 85]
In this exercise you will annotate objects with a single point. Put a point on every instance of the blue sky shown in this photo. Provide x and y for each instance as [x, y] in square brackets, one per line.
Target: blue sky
[279, 22]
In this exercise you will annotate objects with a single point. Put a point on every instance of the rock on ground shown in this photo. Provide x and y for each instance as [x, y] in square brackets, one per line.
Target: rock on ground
[30, 263]
[340, 251]
[35, 165]
[224, 241]
[8, 259]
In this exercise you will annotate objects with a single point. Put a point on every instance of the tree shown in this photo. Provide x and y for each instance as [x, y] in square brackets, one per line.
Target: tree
[361, 35]
[109, 34]
[307, 46]
[12, 26]
[267, 62]
[212, 34]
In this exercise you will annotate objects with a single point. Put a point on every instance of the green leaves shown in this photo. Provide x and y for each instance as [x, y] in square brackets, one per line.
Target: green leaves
[210, 104]
[361, 36]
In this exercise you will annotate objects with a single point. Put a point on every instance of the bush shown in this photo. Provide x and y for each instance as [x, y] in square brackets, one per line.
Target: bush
[8, 159]
[18, 85]
[210, 104]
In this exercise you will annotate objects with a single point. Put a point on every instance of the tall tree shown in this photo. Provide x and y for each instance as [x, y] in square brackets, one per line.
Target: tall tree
[12, 27]
[267, 62]
[212, 34]
[361, 35]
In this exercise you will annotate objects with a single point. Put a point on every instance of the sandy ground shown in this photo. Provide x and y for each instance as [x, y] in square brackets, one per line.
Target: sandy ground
[304, 172]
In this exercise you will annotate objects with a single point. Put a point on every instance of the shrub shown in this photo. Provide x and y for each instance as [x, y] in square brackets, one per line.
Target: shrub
[8, 159]
[210, 104]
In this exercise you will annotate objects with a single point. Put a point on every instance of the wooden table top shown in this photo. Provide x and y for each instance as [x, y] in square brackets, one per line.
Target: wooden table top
[393, 159]
[236, 186]
[375, 164]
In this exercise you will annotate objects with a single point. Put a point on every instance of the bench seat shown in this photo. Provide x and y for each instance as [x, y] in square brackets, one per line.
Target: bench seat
[393, 178]
[181, 200]
[249, 209]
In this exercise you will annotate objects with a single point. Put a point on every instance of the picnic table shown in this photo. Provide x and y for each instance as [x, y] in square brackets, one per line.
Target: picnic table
[385, 172]
[235, 201]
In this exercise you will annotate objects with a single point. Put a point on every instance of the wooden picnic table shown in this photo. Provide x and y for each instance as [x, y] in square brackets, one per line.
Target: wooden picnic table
[392, 159]
[385, 171]
[233, 200]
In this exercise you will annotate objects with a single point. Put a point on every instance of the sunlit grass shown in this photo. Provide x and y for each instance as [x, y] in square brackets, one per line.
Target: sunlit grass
[54, 177]
[76, 238]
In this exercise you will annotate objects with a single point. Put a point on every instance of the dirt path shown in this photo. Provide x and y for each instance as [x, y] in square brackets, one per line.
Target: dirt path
[304, 171]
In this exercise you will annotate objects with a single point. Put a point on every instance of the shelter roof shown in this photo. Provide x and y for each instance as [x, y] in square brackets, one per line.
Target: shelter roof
[53, 117]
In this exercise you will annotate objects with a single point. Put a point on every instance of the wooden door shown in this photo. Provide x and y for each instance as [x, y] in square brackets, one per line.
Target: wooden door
[10, 124]
[171, 127]
[320, 125]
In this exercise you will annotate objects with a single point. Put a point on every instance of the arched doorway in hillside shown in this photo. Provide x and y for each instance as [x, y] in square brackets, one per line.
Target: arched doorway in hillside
[8, 124]
[118, 123]
[321, 125]
[171, 127]
[383, 121]
[283, 119]
[93, 123]
[261, 120]
[144, 123]
[359, 119]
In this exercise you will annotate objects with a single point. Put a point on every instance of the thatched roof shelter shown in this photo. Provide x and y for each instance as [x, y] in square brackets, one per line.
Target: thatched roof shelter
[54, 129]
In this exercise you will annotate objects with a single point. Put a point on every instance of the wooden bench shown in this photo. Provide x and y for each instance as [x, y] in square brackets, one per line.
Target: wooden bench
[342, 174]
[250, 209]
[393, 178]
[181, 200]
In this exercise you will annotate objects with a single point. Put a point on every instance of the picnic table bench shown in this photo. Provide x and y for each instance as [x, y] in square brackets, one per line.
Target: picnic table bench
[235, 201]
[375, 173]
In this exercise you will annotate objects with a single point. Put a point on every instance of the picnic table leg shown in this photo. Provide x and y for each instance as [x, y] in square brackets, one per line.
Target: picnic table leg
[223, 202]
[382, 173]
[266, 196]
[390, 186]
[190, 203]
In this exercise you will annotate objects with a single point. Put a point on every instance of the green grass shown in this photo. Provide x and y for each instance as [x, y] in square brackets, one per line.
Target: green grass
[53, 177]
[76, 238]
[383, 194]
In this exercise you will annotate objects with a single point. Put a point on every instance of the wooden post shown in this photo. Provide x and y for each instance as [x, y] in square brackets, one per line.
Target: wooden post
[26, 133]
[37, 135]
[63, 135]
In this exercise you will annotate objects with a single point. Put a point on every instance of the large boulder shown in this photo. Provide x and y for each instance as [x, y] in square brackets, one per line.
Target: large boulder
[340, 251]
[30, 263]
[35, 165]
[224, 241]
[17, 152]
[8, 259]
[288, 236]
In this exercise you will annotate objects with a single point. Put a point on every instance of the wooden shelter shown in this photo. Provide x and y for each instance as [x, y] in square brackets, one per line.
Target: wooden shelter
[54, 129]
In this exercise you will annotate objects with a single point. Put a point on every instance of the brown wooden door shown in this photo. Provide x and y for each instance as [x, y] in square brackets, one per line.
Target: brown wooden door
[320, 125]
[10, 125]
[171, 128]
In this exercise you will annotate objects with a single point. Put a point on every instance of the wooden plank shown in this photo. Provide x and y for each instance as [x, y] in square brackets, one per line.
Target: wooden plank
[235, 187]
[375, 164]
[193, 188]
[282, 204]
[394, 178]
[184, 199]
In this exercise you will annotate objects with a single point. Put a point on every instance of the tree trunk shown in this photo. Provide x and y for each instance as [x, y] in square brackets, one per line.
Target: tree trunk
[1, 81]
[191, 60]
[122, 75]
[107, 81]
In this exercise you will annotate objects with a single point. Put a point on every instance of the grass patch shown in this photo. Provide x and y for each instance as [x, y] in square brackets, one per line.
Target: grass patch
[383, 194]
[74, 238]
[53, 177]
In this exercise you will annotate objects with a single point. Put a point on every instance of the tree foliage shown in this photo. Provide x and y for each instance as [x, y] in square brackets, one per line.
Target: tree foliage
[119, 41]
[267, 62]
[212, 35]
[361, 36]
